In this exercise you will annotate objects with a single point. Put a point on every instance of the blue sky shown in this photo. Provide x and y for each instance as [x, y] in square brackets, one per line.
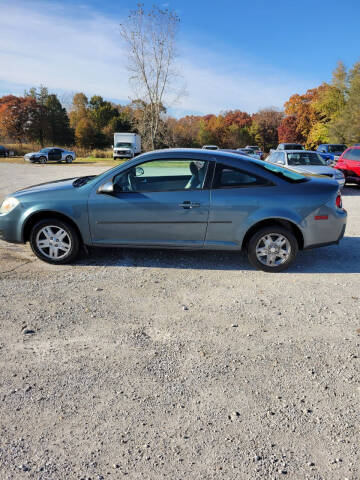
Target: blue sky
[232, 54]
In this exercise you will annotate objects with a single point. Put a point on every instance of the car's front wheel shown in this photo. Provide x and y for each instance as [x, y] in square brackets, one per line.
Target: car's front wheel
[272, 249]
[69, 159]
[42, 160]
[54, 241]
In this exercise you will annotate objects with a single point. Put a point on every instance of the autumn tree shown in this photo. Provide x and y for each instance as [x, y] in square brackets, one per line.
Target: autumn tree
[16, 117]
[150, 38]
[264, 128]
[345, 128]
[85, 133]
[287, 130]
[79, 109]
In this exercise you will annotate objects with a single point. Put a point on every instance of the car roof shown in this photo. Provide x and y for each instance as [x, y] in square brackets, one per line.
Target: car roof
[199, 152]
[295, 151]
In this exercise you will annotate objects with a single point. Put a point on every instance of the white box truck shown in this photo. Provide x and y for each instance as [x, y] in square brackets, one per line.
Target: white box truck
[126, 145]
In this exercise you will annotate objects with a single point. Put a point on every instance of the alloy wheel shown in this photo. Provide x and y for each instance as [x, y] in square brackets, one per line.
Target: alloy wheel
[53, 242]
[273, 249]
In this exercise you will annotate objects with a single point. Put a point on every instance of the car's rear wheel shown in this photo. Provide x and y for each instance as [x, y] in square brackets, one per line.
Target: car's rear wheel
[272, 249]
[55, 241]
[42, 160]
[69, 159]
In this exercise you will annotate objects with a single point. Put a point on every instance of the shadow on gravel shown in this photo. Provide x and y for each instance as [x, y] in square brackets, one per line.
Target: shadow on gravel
[342, 258]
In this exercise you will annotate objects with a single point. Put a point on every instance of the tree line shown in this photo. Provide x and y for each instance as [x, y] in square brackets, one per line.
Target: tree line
[329, 113]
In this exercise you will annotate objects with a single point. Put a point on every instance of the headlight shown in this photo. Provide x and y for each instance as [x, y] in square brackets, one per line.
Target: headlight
[9, 204]
[339, 175]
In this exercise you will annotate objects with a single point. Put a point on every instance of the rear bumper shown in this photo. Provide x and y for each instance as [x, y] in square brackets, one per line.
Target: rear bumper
[326, 244]
[327, 232]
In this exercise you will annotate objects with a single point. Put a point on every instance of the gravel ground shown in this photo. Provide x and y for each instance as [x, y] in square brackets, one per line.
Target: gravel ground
[178, 365]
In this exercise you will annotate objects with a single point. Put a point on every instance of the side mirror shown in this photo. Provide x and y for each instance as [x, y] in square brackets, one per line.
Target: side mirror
[329, 162]
[139, 171]
[323, 150]
[106, 188]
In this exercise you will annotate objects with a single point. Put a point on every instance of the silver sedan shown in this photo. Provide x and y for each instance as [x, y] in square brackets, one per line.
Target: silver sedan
[50, 155]
[306, 161]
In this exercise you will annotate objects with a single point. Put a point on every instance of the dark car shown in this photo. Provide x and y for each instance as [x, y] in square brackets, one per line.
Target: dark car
[182, 199]
[4, 152]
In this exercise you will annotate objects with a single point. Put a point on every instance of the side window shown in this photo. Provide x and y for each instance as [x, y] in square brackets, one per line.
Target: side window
[162, 176]
[353, 154]
[229, 177]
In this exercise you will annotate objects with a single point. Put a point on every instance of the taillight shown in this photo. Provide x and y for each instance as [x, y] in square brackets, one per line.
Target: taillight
[338, 201]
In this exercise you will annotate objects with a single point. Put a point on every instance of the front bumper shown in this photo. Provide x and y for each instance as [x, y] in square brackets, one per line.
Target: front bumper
[9, 227]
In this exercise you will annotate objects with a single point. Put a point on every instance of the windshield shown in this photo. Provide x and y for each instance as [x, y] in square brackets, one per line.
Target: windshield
[284, 173]
[124, 144]
[306, 158]
[44, 150]
[336, 148]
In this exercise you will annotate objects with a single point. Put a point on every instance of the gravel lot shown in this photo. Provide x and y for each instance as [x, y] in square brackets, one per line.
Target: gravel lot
[178, 365]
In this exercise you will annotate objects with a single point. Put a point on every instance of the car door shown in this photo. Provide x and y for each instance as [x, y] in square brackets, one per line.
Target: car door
[157, 203]
[235, 196]
[57, 154]
[51, 154]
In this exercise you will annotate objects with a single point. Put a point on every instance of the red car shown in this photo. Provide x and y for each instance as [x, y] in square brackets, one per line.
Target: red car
[349, 164]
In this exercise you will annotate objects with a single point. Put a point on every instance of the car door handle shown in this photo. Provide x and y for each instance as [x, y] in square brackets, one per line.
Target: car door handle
[188, 204]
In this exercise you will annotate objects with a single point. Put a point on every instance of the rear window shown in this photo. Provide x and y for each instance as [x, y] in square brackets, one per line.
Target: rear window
[284, 173]
[228, 177]
[336, 148]
[293, 146]
[353, 154]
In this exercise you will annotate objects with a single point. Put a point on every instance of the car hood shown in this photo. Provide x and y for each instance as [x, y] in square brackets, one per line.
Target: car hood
[31, 153]
[317, 169]
[45, 187]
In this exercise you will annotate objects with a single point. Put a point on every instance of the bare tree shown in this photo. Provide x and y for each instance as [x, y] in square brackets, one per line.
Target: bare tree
[150, 38]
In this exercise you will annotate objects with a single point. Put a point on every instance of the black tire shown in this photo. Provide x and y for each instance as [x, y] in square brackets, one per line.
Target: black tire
[42, 160]
[268, 231]
[60, 224]
[69, 159]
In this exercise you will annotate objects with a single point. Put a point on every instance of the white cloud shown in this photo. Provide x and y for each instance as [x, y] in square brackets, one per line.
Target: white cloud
[80, 50]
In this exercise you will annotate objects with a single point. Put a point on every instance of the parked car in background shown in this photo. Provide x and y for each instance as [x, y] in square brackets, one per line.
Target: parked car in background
[210, 147]
[290, 146]
[182, 199]
[251, 152]
[52, 154]
[4, 152]
[256, 150]
[306, 161]
[126, 145]
[331, 151]
[349, 164]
